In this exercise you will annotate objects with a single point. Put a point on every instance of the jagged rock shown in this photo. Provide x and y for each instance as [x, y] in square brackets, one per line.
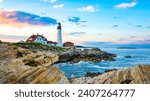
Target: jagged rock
[95, 55]
[139, 74]
[76, 55]
[128, 56]
[21, 66]
[69, 55]
[17, 72]
[90, 74]
[109, 70]
[40, 58]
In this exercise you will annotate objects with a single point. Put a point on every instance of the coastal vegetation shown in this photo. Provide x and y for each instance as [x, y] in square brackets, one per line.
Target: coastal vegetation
[39, 46]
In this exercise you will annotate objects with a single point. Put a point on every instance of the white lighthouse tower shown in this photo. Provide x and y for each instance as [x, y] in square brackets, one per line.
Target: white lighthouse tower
[59, 35]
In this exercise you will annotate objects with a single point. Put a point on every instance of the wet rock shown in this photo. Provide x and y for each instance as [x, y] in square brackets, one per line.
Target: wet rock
[128, 56]
[90, 74]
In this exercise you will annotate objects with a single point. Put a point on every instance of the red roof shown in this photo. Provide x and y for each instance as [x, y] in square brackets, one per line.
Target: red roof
[32, 38]
[51, 42]
[68, 42]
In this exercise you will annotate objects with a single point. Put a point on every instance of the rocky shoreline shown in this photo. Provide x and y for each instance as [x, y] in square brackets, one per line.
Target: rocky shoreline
[70, 54]
[20, 65]
[75, 55]
[139, 74]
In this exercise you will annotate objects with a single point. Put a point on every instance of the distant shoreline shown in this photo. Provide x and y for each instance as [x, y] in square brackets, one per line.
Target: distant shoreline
[126, 48]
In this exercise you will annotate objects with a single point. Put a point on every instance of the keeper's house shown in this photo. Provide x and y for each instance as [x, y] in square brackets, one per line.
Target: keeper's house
[40, 39]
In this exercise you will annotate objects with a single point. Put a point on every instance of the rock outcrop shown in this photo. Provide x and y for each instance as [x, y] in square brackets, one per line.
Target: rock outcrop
[95, 55]
[21, 66]
[76, 55]
[139, 74]
[69, 55]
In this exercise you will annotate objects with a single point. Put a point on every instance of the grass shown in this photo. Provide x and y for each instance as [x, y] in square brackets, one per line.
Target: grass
[39, 46]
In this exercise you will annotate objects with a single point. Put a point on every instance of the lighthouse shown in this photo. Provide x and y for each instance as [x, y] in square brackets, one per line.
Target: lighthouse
[59, 35]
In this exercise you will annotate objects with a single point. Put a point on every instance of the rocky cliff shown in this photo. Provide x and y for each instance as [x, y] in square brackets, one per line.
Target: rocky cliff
[21, 66]
[139, 74]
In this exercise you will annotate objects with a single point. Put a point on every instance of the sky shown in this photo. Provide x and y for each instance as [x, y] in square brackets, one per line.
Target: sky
[83, 21]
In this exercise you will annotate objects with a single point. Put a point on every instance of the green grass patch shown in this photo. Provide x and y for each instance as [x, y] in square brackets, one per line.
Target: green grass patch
[39, 46]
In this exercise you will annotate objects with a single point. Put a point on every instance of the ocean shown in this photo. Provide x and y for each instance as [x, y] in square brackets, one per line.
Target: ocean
[139, 55]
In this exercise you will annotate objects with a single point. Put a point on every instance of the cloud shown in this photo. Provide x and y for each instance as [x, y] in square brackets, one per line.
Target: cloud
[87, 9]
[132, 37]
[129, 23]
[115, 26]
[77, 33]
[144, 41]
[52, 1]
[43, 13]
[127, 5]
[138, 26]
[13, 37]
[148, 27]
[74, 19]
[135, 39]
[96, 43]
[80, 25]
[115, 17]
[121, 39]
[77, 21]
[21, 19]
[58, 6]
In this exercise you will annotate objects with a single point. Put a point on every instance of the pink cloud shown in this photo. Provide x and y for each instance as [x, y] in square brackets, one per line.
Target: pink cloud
[127, 5]
[21, 19]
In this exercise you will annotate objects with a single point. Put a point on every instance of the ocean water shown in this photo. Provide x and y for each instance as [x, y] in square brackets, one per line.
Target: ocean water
[138, 56]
